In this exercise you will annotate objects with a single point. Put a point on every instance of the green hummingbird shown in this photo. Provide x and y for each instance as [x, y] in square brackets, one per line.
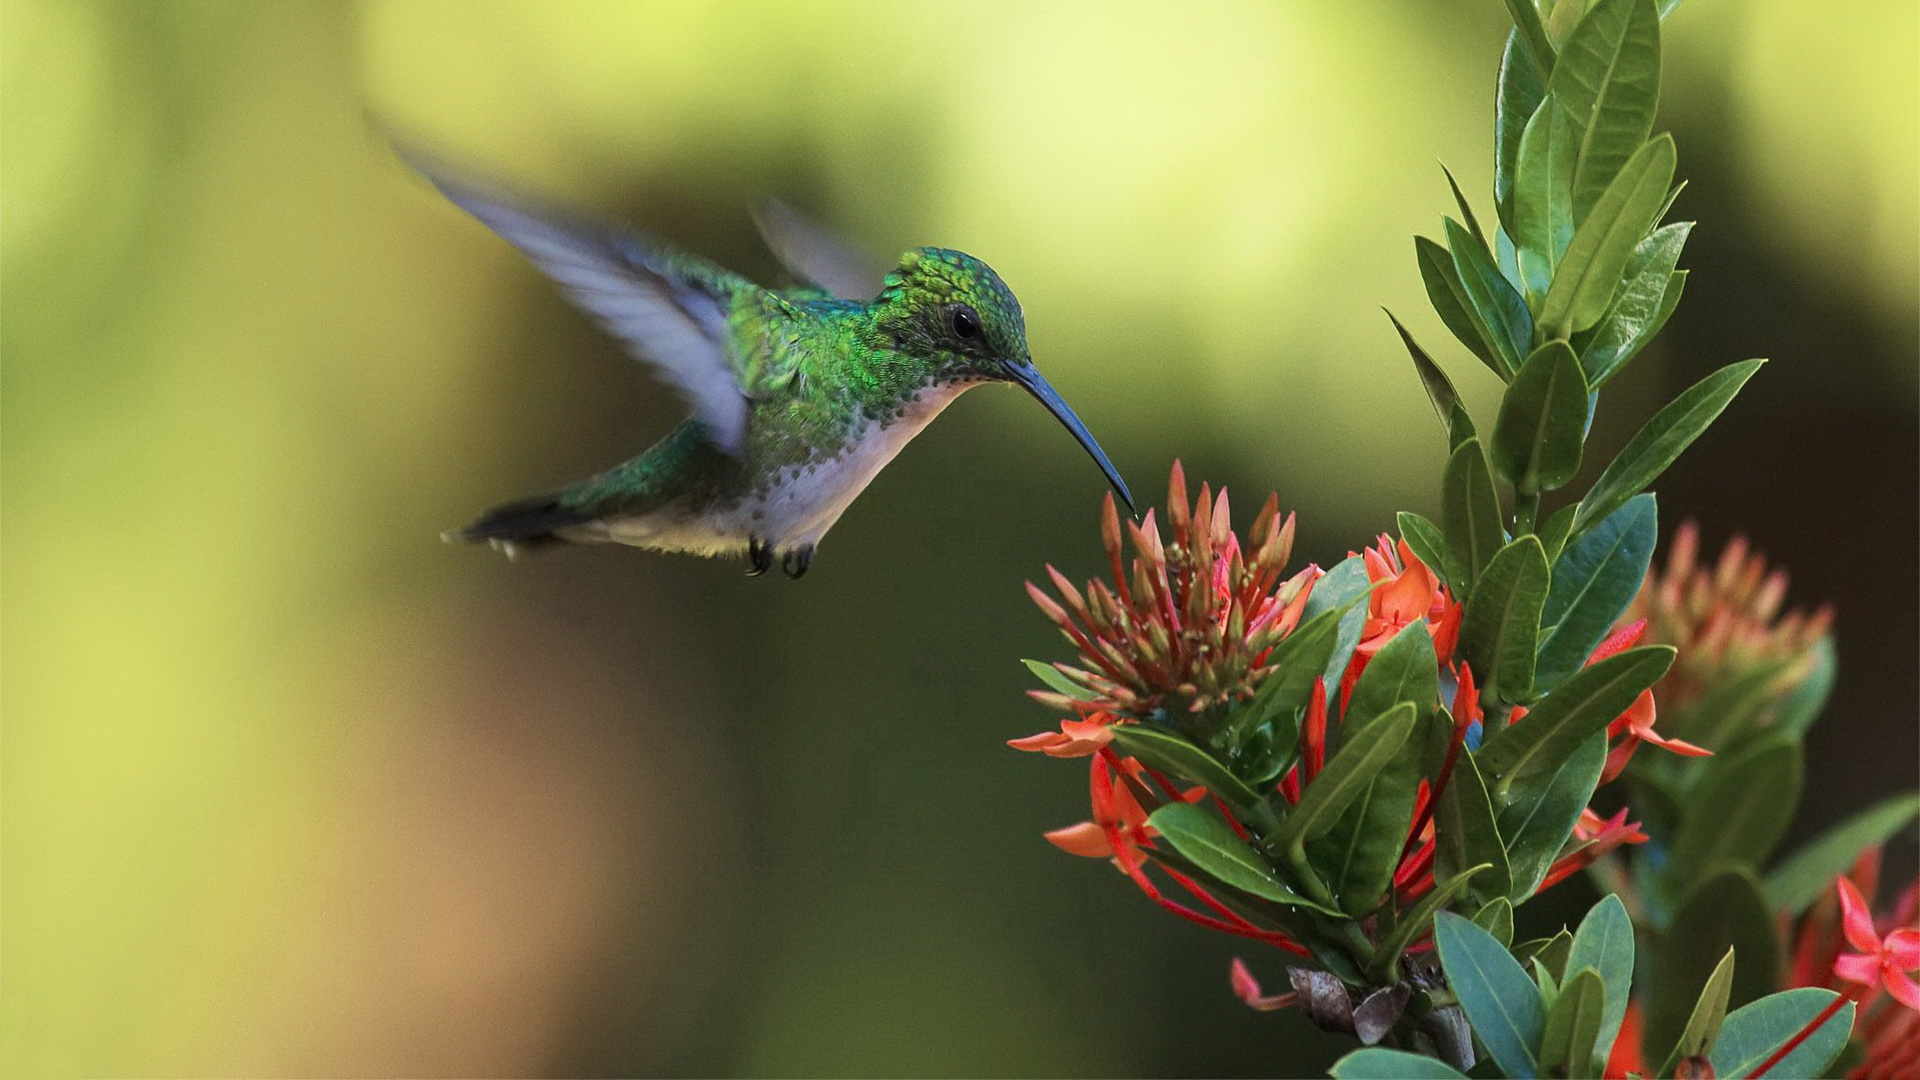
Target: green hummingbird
[799, 397]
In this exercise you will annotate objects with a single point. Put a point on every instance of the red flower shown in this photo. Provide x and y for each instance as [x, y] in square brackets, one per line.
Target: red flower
[1247, 989]
[1888, 1030]
[1405, 590]
[1635, 726]
[1593, 838]
[1076, 738]
[1881, 960]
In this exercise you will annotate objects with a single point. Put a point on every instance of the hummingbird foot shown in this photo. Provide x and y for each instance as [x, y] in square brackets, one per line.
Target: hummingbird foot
[795, 562]
[759, 557]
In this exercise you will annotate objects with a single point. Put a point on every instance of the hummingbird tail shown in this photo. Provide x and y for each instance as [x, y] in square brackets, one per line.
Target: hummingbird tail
[521, 525]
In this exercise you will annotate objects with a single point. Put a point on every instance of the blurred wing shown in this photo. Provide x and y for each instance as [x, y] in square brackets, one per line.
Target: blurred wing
[816, 255]
[669, 310]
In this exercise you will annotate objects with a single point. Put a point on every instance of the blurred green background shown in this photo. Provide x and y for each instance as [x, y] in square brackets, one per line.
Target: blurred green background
[289, 787]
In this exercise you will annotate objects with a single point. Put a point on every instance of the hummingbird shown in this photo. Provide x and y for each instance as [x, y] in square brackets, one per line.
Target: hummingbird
[799, 397]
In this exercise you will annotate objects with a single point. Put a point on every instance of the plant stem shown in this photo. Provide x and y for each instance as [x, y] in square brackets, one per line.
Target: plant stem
[1526, 509]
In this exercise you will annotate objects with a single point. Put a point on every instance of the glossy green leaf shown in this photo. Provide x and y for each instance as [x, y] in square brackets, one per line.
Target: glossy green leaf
[1581, 707]
[1450, 300]
[1405, 669]
[1541, 808]
[1299, 659]
[1057, 682]
[1703, 1024]
[1496, 918]
[1426, 541]
[1344, 587]
[1466, 209]
[1498, 306]
[1532, 34]
[1573, 1025]
[1415, 920]
[1753, 1034]
[1657, 444]
[1725, 911]
[1648, 294]
[1585, 281]
[1204, 839]
[1802, 877]
[1500, 628]
[1161, 749]
[1608, 80]
[1549, 951]
[1470, 513]
[1466, 832]
[1744, 802]
[1345, 778]
[1543, 421]
[1543, 198]
[1357, 856]
[1500, 1001]
[1379, 1063]
[1517, 98]
[1440, 391]
[1594, 580]
[1604, 943]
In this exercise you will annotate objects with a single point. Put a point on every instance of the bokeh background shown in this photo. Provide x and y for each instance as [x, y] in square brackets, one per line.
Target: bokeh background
[291, 788]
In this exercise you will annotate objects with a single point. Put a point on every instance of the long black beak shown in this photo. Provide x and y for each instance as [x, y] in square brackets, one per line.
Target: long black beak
[1028, 376]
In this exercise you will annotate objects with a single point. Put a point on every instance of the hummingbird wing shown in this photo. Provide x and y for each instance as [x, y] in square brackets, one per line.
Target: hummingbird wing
[667, 308]
[816, 254]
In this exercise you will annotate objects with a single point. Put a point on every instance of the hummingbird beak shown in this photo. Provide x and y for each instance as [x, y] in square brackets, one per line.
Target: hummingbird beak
[1028, 376]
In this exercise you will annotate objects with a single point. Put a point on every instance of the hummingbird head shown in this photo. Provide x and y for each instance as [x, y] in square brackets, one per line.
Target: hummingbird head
[950, 311]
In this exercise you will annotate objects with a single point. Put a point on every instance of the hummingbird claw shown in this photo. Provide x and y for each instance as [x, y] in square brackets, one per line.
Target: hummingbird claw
[795, 562]
[759, 557]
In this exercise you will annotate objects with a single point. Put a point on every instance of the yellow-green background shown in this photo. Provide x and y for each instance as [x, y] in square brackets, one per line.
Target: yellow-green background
[289, 787]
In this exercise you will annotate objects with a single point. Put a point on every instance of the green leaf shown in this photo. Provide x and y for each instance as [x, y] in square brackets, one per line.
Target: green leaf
[1466, 209]
[1532, 33]
[1160, 749]
[1540, 811]
[1426, 541]
[1440, 391]
[1573, 1026]
[1551, 952]
[1801, 707]
[1671, 431]
[1300, 658]
[1584, 283]
[1500, 627]
[1742, 805]
[1543, 421]
[1703, 1024]
[1341, 587]
[1725, 911]
[1470, 513]
[1051, 675]
[1582, 706]
[1648, 295]
[1594, 580]
[1604, 943]
[1413, 922]
[1500, 1001]
[1466, 833]
[1356, 858]
[1379, 1063]
[1553, 534]
[1204, 839]
[1753, 1034]
[1608, 80]
[1800, 880]
[1517, 98]
[1405, 669]
[1543, 198]
[1496, 918]
[1345, 779]
[1449, 298]
[1500, 308]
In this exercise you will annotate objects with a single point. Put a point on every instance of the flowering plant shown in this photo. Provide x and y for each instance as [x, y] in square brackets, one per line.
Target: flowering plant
[1369, 767]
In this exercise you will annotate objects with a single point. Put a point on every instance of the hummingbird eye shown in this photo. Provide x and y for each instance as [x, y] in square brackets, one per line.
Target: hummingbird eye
[966, 325]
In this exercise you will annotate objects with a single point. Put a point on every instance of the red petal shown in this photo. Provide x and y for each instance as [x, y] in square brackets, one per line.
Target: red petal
[1041, 741]
[1619, 642]
[1902, 950]
[1856, 918]
[1085, 839]
[1903, 990]
[1857, 967]
[1245, 986]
